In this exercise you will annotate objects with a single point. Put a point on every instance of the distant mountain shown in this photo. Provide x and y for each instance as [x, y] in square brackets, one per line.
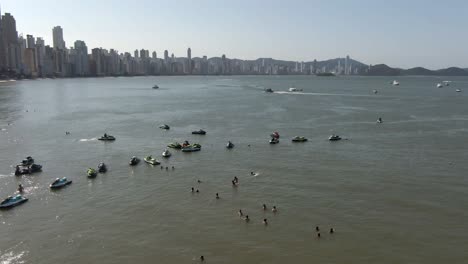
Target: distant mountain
[385, 70]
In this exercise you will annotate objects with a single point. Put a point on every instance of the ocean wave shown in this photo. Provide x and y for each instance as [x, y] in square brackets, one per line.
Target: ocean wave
[87, 139]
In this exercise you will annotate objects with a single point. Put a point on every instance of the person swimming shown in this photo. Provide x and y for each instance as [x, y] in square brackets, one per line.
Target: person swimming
[162, 167]
[167, 168]
[274, 210]
[240, 213]
[252, 173]
[193, 189]
[318, 235]
[202, 258]
[217, 196]
[20, 188]
[236, 180]
[197, 191]
[234, 183]
[198, 181]
[265, 222]
[173, 168]
[264, 207]
[317, 229]
[332, 230]
[247, 218]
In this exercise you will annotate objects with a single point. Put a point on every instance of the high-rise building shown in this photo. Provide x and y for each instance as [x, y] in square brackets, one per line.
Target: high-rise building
[136, 54]
[155, 55]
[30, 42]
[10, 38]
[346, 69]
[57, 34]
[166, 56]
[189, 61]
[81, 59]
[142, 54]
[40, 55]
[3, 58]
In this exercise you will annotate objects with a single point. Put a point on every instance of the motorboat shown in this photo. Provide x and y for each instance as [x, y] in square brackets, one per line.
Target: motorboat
[379, 120]
[293, 89]
[92, 173]
[166, 127]
[102, 168]
[59, 183]
[166, 153]
[175, 145]
[12, 201]
[274, 141]
[155, 87]
[299, 139]
[199, 132]
[107, 137]
[334, 138]
[134, 161]
[439, 85]
[268, 90]
[28, 161]
[395, 83]
[275, 135]
[457, 90]
[192, 148]
[229, 145]
[151, 160]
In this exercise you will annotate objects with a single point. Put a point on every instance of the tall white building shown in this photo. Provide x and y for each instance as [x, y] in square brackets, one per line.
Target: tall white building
[57, 34]
[189, 61]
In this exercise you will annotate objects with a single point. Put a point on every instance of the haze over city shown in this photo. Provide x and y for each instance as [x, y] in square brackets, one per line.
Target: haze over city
[398, 33]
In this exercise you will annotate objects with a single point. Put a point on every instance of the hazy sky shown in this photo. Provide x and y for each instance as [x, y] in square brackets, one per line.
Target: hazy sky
[400, 33]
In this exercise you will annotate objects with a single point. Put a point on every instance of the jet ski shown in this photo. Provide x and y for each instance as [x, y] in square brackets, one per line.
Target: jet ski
[155, 87]
[92, 173]
[107, 138]
[299, 139]
[166, 153]
[102, 168]
[28, 161]
[199, 132]
[59, 183]
[134, 161]
[21, 170]
[274, 141]
[166, 127]
[334, 138]
[12, 201]
[151, 160]
[35, 168]
[229, 145]
[191, 148]
[268, 90]
[175, 145]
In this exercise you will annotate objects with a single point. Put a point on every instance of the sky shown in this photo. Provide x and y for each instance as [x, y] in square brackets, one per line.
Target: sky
[399, 33]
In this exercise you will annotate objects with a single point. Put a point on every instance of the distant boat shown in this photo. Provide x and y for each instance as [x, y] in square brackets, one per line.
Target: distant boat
[155, 87]
[268, 90]
[395, 83]
[375, 91]
[439, 85]
[293, 89]
[457, 90]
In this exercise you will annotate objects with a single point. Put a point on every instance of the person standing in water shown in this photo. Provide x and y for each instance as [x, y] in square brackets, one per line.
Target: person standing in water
[20, 188]
[264, 207]
[265, 221]
[217, 196]
[240, 213]
[274, 210]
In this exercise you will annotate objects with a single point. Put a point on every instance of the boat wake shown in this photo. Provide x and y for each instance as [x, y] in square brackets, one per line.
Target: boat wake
[87, 139]
[9, 256]
[322, 94]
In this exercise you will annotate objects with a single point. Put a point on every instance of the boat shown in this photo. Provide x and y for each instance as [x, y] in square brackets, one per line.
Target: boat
[334, 138]
[191, 148]
[229, 145]
[299, 139]
[439, 85]
[275, 135]
[134, 161]
[175, 145]
[12, 201]
[59, 183]
[199, 132]
[274, 141]
[457, 90]
[102, 168]
[107, 137]
[395, 83]
[151, 160]
[268, 90]
[166, 127]
[166, 153]
[21, 170]
[92, 173]
[155, 87]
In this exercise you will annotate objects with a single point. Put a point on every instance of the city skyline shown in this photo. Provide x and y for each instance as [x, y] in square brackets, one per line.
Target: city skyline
[256, 30]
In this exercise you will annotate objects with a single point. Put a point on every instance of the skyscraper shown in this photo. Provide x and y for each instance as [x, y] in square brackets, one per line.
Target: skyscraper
[166, 56]
[136, 54]
[81, 60]
[10, 38]
[3, 58]
[155, 55]
[57, 34]
[30, 42]
[189, 61]
[346, 69]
